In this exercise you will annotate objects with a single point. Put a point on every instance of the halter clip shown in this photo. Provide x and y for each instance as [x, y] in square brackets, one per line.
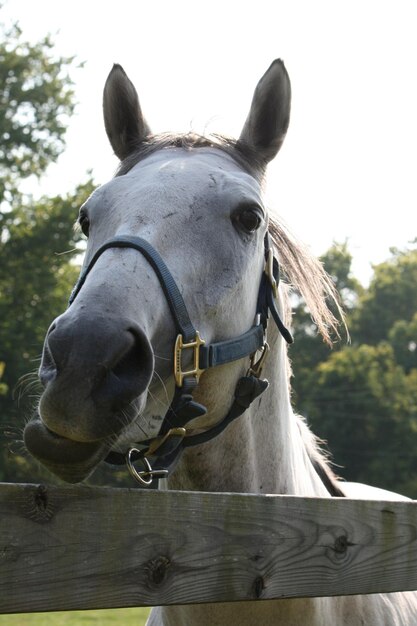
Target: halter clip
[255, 368]
[146, 476]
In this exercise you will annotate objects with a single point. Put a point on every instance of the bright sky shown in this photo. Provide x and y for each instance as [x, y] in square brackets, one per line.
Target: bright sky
[348, 167]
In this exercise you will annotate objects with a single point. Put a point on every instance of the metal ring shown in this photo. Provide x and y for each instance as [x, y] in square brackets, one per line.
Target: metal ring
[148, 471]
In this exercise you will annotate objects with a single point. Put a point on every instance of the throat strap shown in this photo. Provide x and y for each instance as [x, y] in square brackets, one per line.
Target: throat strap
[174, 442]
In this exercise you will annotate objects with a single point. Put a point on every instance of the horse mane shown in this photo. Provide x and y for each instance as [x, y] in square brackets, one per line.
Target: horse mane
[302, 269]
[305, 273]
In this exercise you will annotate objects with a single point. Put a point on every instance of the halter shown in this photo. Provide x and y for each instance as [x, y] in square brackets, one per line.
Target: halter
[165, 449]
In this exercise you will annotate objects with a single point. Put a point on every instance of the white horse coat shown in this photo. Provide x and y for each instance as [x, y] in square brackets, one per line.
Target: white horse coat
[199, 203]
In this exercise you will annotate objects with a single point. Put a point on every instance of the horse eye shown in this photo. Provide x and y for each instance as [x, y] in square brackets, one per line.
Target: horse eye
[249, 219]
[84, 222]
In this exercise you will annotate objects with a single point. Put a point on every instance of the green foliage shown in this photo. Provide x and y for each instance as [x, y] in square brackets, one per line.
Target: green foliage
[391, 296]
[105, 617]
[362, 403]
[36, 254]
[3, 386]
[362, 398]
[337, 261]
[36, 98]
[309, 349]
[39, 242]
[403, 338]
[37, 239]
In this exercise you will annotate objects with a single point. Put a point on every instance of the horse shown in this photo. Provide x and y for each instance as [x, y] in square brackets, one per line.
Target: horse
[172, 355]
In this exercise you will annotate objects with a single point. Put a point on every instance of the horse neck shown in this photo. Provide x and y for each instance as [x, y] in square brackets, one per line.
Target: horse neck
[263, 451]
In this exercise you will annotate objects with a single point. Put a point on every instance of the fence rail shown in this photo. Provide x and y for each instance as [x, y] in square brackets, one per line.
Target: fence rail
[80, 548]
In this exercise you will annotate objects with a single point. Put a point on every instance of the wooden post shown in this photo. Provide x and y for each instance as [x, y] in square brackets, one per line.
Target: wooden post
[81, 548]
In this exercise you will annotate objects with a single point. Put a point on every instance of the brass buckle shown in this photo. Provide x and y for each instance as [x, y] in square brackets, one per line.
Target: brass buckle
[255, 368]
[159, 441]
[269, 271]
[179, 346]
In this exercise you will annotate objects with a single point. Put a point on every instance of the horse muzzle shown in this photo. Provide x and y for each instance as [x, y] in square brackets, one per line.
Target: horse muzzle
[95, 374]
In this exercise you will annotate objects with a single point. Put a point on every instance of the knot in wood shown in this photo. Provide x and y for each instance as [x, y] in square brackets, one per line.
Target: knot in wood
[41, 508]
[258, 586]
[341, 544]
[157, 569]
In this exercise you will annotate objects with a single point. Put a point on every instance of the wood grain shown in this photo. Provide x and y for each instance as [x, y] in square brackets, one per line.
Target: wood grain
[80, 548]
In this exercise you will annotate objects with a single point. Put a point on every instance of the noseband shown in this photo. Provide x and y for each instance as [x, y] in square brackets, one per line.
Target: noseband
[160, 454]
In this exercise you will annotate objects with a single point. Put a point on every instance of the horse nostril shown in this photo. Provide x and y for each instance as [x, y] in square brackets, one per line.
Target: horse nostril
[93, 371]
[130, 375]
[137, 362]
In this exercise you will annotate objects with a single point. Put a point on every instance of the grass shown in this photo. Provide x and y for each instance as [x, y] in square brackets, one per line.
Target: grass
[109, 617]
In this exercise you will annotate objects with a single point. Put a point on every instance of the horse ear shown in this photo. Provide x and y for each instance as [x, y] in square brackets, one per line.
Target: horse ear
[267, 123]
[125, 125]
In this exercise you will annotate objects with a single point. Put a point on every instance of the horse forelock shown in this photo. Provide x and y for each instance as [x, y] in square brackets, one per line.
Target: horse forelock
[243, 154]
[302, 270]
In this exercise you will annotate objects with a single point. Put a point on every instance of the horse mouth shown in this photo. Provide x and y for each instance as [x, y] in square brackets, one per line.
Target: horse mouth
[72, 461]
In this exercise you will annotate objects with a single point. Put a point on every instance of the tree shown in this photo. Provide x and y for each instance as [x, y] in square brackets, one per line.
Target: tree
[36, 98]
[36, 280]
[309, 349]
[362, 405]
[337, 262]
[362, 398]
[391, 296]
[3, 386]
[403, 338]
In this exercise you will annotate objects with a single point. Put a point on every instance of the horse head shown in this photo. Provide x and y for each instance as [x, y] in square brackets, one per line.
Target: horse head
[195, 206]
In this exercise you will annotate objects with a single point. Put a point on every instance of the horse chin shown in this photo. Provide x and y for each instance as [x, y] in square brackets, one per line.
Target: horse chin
[72, 461]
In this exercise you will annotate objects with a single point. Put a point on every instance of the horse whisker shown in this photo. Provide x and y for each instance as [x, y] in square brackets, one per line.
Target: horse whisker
[162, 358]
[163, 387]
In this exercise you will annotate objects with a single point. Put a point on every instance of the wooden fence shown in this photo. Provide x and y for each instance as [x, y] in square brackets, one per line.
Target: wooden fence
[80, 548]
